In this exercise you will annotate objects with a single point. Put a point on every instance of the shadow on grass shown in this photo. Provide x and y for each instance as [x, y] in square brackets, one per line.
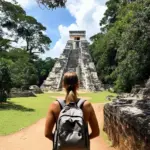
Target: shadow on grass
[13, 106]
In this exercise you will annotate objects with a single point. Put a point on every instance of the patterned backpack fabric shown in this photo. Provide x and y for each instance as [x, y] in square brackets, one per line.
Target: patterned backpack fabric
[71, 129]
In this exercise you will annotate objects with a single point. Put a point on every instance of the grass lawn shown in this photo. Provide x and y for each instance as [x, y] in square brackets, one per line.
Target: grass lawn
[22, 112]
[99, 97]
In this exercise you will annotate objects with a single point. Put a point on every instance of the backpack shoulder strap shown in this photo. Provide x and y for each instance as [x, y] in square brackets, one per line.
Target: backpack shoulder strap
[61, 103]
[80, 103]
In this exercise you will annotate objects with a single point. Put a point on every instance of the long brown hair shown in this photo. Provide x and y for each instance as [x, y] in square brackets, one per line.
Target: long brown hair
[70, 83]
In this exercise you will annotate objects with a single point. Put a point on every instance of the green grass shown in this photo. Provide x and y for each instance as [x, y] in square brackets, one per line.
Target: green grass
[22, 112]
[99, 97]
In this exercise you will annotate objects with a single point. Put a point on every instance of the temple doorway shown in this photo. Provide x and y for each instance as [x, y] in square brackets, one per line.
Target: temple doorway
[77, 40]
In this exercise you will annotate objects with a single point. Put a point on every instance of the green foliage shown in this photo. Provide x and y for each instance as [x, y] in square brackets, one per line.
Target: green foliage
[43, 68]
[52, 3]
[4, 44]
[25, 73]
[32, 32]
[22, 63]
[121, 53]
[14, 18]
[110, 15]
[5, 79]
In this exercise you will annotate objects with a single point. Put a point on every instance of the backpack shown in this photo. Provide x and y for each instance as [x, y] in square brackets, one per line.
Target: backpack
[71, 129]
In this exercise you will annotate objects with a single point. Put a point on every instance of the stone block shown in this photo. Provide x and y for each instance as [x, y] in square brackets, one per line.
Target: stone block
[35, 89]
[19, 93]
[127, 124]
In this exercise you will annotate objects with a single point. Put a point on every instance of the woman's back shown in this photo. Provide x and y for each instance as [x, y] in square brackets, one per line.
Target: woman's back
[89, 116]
[70, 83]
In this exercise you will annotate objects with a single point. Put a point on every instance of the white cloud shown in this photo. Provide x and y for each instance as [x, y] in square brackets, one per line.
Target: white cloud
[25, 3]
[88, 14]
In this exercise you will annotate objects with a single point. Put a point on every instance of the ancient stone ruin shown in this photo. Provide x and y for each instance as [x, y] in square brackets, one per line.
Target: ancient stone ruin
[35, 89]
[15, 92]
[76, 58]
[138, 92]
[127, 123]
[127, 119]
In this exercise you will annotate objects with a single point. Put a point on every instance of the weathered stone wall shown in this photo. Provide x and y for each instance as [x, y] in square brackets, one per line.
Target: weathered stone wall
[127, 123]
[19, 93]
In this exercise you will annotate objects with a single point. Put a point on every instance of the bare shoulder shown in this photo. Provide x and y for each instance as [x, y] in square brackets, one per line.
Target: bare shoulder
[87, 105]
[54, 106]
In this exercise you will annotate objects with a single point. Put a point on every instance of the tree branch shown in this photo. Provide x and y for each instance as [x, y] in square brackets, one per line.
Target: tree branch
[52, 3]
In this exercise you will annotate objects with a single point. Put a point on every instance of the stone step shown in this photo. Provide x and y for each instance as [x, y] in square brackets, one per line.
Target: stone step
[71, 59]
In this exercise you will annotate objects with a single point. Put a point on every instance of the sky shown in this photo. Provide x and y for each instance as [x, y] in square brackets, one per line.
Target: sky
[78, 15]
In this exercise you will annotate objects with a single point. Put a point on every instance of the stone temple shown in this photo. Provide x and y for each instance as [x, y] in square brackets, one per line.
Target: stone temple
[75, 58]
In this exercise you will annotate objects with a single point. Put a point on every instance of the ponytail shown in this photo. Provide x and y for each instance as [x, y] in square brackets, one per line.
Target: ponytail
[71, 97]
[70, 83]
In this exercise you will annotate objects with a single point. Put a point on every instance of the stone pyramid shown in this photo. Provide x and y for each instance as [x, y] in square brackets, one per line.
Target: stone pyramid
[76, 58]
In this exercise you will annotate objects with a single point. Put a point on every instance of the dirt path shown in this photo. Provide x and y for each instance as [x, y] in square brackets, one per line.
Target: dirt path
[32, 138]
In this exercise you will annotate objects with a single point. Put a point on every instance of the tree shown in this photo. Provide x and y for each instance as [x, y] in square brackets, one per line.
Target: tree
[133, 53]
[23, 73]
[121, 51]
[21, 66]
[110, 15]
[43, 68]
[5, 80]
[9, 14]
[33, 33]
[22, 26]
